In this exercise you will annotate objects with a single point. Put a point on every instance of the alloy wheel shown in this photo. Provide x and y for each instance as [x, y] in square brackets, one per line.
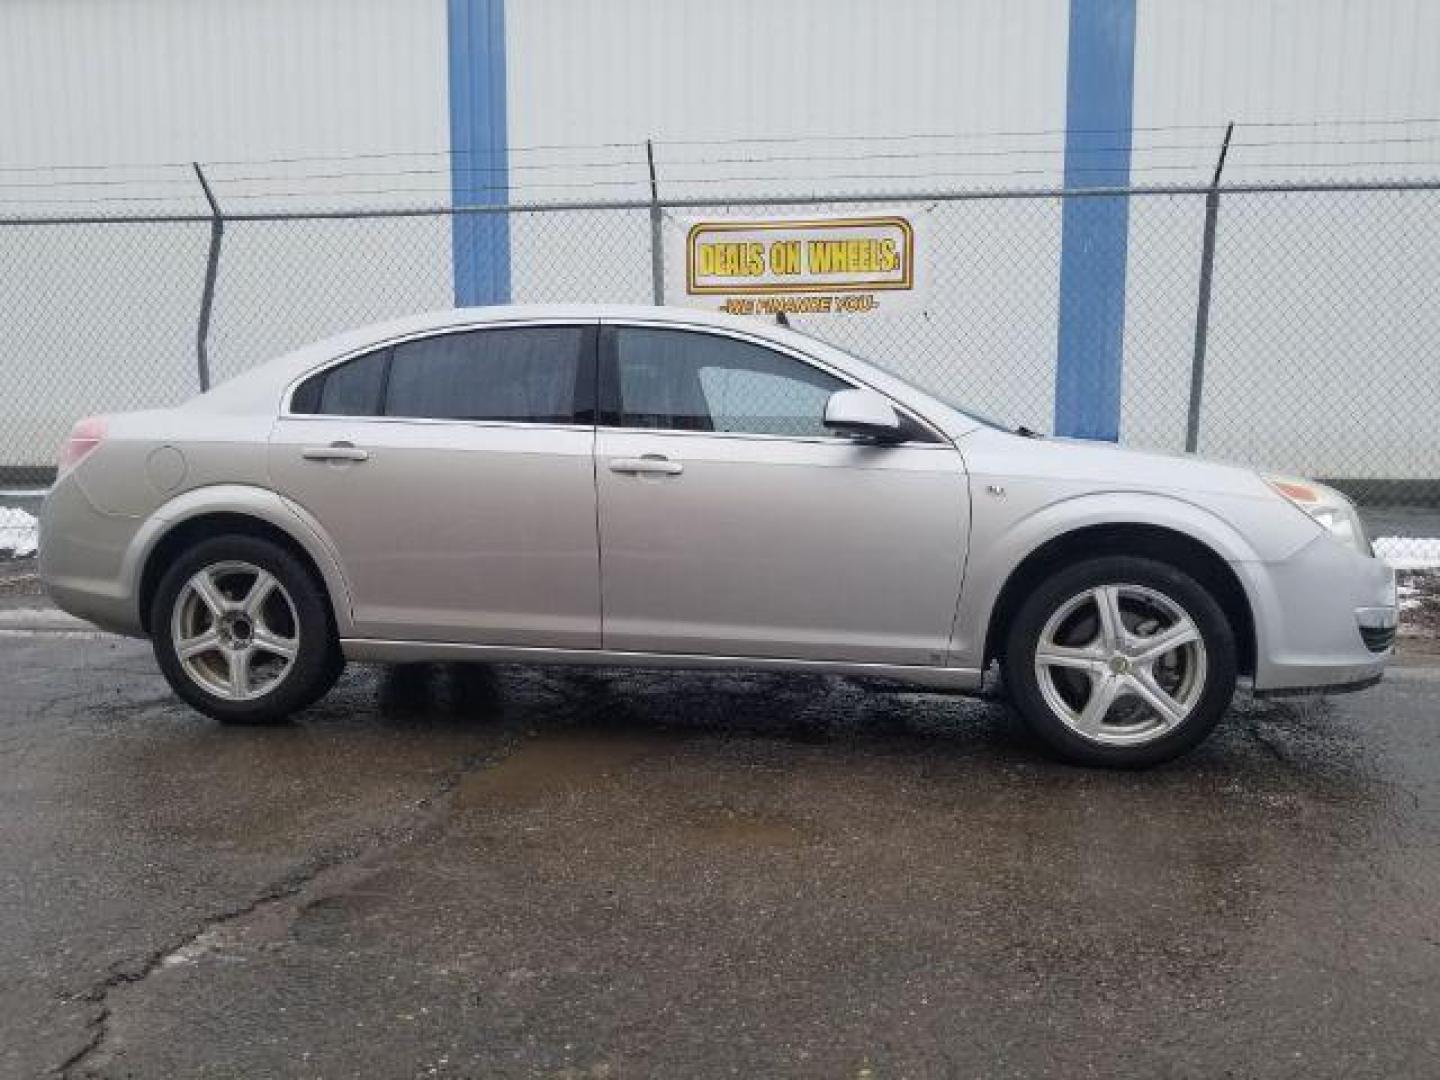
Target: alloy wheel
[1120, 664]
[235, 630]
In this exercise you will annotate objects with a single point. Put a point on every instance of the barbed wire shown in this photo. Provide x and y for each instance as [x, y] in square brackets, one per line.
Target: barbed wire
[734, 141]
[579, 175]
[190, 189]
[443, 193]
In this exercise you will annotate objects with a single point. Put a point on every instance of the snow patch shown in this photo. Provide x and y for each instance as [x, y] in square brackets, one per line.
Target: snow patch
[1409, 552]
[19, 532]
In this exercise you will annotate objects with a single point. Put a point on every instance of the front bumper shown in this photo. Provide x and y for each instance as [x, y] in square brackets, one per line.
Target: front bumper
[1325, 619]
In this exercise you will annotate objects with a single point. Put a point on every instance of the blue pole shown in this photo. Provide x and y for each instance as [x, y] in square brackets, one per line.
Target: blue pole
[1095, 231]
[479, 159]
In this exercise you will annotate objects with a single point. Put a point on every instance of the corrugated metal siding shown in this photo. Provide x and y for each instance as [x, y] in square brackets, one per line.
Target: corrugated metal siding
[754, 97]
[1276, 68]
[1316, 295]
[742, 96]
[182, 80]
[693, 73]
[687, 71]
[171, 81]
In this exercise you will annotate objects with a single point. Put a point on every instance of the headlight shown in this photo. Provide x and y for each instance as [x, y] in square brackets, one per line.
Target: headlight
[1327, 507]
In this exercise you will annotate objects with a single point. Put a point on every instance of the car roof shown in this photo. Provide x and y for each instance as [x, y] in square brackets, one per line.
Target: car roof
[447, 318]
[470, 316]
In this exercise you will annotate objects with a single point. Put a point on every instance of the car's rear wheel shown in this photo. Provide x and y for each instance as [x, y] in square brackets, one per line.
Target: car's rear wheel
[242, 631]
[1120, 661]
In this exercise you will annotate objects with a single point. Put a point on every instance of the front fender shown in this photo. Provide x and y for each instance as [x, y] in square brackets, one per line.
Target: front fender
[1000, 543]
[249, 501]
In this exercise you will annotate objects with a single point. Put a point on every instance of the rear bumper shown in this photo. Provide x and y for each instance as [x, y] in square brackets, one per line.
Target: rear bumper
[1325, 619]
[83, 560]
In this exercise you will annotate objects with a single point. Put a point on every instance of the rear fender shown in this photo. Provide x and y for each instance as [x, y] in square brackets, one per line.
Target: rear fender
[247, 501]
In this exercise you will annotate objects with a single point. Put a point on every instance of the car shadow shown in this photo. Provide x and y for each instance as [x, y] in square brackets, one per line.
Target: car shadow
[1300, 743]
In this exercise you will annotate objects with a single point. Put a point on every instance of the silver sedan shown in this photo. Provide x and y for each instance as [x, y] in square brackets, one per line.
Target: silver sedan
[650, 487]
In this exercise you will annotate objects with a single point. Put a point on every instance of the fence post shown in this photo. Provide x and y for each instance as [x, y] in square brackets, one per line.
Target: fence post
[657, 249]
[212, 268]
[1202, 305]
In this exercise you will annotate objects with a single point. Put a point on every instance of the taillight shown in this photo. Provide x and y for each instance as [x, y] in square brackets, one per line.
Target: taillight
[84, 437]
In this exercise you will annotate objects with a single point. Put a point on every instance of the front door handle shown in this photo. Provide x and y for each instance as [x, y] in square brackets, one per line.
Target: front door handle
[337, 451]
[650, 465]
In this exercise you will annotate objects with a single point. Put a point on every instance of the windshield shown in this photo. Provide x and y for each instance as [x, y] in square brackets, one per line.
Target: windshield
[939, 395]
[978, 417]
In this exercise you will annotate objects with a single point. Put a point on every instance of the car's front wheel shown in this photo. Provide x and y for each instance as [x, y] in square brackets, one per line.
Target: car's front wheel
[1120, 661]
[242, 631]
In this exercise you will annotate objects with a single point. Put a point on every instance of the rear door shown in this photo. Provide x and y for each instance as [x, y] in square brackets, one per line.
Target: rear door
[733, 523]
[454, 473]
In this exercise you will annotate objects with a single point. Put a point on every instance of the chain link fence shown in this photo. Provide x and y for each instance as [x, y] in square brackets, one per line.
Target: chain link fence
[1319, 346]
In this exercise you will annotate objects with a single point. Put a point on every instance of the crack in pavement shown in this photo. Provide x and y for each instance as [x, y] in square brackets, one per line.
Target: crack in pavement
[428, 819]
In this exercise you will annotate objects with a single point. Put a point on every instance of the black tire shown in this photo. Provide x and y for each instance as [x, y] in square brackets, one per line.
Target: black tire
[1210, 692]
[317, 662]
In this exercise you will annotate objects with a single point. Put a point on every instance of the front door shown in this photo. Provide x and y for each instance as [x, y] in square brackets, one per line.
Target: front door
[733, 523]
[454, 473]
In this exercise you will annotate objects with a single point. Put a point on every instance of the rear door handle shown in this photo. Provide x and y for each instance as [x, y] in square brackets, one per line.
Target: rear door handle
[340, 451]
[651, 465]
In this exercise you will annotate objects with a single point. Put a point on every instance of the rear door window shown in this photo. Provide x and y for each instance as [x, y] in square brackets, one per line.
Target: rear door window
[529, 374]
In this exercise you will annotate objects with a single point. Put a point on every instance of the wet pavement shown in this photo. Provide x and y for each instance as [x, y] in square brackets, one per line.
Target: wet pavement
[447, 871]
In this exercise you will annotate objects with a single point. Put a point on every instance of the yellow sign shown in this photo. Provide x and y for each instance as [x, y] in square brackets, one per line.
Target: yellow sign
[801, 266]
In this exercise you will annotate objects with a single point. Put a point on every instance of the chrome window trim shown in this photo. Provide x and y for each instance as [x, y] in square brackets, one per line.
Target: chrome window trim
[431, 421]
[758, 436]
[287, 395]
[941, 439]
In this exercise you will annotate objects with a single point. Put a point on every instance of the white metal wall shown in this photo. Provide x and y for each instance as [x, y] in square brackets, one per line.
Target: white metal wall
[155, 84]
[685, 71]
[743, 96]
[174, 81]
[1278, 62]
[754, 97]
[1304, 288]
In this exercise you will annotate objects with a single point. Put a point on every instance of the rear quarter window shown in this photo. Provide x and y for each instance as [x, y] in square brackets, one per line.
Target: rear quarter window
[354, 388]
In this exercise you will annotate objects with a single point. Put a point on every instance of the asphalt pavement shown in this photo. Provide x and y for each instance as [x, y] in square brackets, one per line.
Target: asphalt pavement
[492, 872]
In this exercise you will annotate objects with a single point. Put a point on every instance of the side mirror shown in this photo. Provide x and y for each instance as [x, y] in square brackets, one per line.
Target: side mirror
[862, 413]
